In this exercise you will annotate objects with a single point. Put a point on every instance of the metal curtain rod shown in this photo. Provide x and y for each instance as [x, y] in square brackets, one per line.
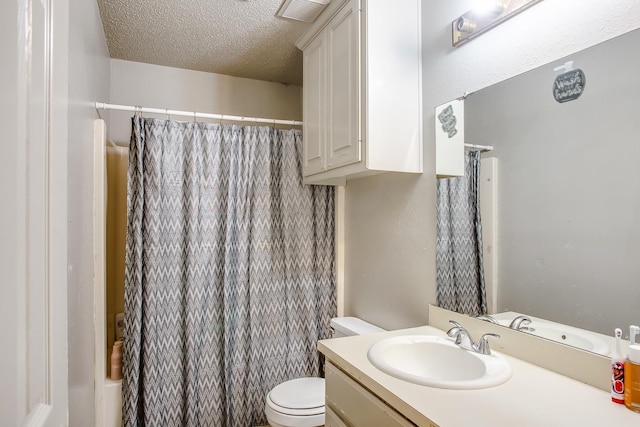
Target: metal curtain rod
[482, 148]
[194, 114]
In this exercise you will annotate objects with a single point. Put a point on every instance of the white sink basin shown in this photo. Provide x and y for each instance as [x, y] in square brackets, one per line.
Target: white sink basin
[567, 335]
[437, 362]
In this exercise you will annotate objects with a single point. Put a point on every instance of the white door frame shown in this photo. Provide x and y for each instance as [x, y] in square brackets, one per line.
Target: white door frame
[33, 219]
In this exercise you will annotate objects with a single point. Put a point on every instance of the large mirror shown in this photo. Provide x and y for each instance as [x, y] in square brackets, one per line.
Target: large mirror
[568, 189]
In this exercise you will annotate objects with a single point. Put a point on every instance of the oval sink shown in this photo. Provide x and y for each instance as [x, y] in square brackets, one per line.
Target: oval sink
[437, 362]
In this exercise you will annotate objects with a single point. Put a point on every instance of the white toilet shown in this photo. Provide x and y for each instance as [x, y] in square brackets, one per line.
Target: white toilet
[300, 402]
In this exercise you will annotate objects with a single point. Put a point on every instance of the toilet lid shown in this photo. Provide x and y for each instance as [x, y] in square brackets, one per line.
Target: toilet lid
[301, 393]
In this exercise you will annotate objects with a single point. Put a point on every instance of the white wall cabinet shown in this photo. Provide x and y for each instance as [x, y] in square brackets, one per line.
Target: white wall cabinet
[350, 404]
[362, 102]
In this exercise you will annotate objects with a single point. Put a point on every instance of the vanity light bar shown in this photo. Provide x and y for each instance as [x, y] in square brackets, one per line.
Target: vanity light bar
[476, 22]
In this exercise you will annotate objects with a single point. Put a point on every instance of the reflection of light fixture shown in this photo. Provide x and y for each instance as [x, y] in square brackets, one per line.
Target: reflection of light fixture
[485, 16]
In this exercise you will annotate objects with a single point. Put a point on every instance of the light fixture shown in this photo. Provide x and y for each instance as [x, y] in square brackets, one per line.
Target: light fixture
[486, 15]
[490, 7]
[302, 10]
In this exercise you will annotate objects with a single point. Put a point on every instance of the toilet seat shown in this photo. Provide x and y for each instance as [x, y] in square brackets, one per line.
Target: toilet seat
[297, 403]
[296, 412]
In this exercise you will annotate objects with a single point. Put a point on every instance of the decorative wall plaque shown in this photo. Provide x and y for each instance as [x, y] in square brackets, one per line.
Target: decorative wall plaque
[449, 121]
[569, 86]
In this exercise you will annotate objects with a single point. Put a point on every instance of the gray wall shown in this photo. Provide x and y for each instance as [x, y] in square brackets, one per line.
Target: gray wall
[88, 82]
[390, 218]
[568, 188]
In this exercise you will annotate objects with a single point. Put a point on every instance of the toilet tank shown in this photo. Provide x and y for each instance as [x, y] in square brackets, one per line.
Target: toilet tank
[349, 326]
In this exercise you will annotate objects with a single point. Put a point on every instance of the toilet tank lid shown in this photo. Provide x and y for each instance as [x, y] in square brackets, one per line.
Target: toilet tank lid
[354, 326]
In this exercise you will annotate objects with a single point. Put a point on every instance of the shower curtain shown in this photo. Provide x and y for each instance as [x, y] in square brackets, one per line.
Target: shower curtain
[459, 267]
[229, 272]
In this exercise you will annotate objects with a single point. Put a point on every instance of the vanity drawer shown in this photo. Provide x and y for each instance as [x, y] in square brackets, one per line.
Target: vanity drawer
[355, 406]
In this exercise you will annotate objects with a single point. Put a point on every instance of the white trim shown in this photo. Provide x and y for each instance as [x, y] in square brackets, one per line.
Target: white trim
[99, 268]
[58, 111]
[489, 215]
[38, 416]
[340, 245]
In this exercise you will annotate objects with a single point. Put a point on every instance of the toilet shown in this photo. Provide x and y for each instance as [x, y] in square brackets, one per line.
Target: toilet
[300, 402]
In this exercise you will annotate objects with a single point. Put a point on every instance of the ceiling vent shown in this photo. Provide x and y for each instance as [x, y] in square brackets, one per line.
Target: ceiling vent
[302, 10]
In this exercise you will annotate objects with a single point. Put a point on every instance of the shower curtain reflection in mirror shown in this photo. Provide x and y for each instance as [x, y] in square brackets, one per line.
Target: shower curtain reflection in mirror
[459, 264]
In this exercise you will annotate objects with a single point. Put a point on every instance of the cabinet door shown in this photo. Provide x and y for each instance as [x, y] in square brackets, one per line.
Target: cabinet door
[343, 94]
[314, 107]
[332, 420]
[355, 405]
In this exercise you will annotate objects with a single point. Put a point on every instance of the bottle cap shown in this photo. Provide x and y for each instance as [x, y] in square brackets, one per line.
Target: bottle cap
[634, 353]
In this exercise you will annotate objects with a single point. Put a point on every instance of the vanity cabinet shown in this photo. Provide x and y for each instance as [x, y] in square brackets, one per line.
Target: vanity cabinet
[331, 419]
[350, 404]
[362, 91]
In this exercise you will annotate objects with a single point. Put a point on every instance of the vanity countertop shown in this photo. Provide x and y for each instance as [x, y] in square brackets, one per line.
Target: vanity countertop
[532, 397]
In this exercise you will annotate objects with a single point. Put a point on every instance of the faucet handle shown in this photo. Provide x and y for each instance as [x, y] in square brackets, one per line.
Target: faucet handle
[461, 336]
[455, 330]
[483, 344]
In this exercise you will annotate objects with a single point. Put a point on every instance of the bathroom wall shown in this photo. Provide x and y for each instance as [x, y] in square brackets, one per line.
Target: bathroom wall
[390, 218]
[134, 83]
[88, 82]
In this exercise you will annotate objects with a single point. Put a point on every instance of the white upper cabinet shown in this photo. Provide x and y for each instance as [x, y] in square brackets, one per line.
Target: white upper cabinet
[362, 91]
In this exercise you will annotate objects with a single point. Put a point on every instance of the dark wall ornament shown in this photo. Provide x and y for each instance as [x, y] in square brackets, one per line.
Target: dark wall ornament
[449, 121]
[569, 86]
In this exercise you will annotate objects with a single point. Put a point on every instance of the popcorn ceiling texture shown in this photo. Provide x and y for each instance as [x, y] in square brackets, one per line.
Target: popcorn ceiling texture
[241, 38]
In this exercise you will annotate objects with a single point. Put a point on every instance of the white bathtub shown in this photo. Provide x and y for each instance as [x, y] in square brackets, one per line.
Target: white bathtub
[112, 403]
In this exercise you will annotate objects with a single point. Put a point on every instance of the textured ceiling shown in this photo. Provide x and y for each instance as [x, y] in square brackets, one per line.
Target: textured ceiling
[241, 38]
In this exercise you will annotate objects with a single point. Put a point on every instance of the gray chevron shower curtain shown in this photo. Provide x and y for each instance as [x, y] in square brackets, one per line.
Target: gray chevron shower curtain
[229, 278]
[459, 268]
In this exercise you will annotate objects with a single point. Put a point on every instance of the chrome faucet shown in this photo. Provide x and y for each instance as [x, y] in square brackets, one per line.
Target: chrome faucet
[488, 318]
[518, 322]
[463, 339]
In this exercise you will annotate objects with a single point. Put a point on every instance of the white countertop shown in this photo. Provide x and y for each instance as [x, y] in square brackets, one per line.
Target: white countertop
[532, 397]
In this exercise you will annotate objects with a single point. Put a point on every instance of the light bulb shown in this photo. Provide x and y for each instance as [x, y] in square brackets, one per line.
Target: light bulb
[490, 7]
[465, 25]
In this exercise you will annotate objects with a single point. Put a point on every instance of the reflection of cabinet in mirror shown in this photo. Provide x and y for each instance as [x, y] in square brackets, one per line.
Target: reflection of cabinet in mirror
[362, 91]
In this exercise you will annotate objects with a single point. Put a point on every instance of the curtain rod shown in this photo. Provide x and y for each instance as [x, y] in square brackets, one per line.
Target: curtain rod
[194, 114]
[482, 148]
